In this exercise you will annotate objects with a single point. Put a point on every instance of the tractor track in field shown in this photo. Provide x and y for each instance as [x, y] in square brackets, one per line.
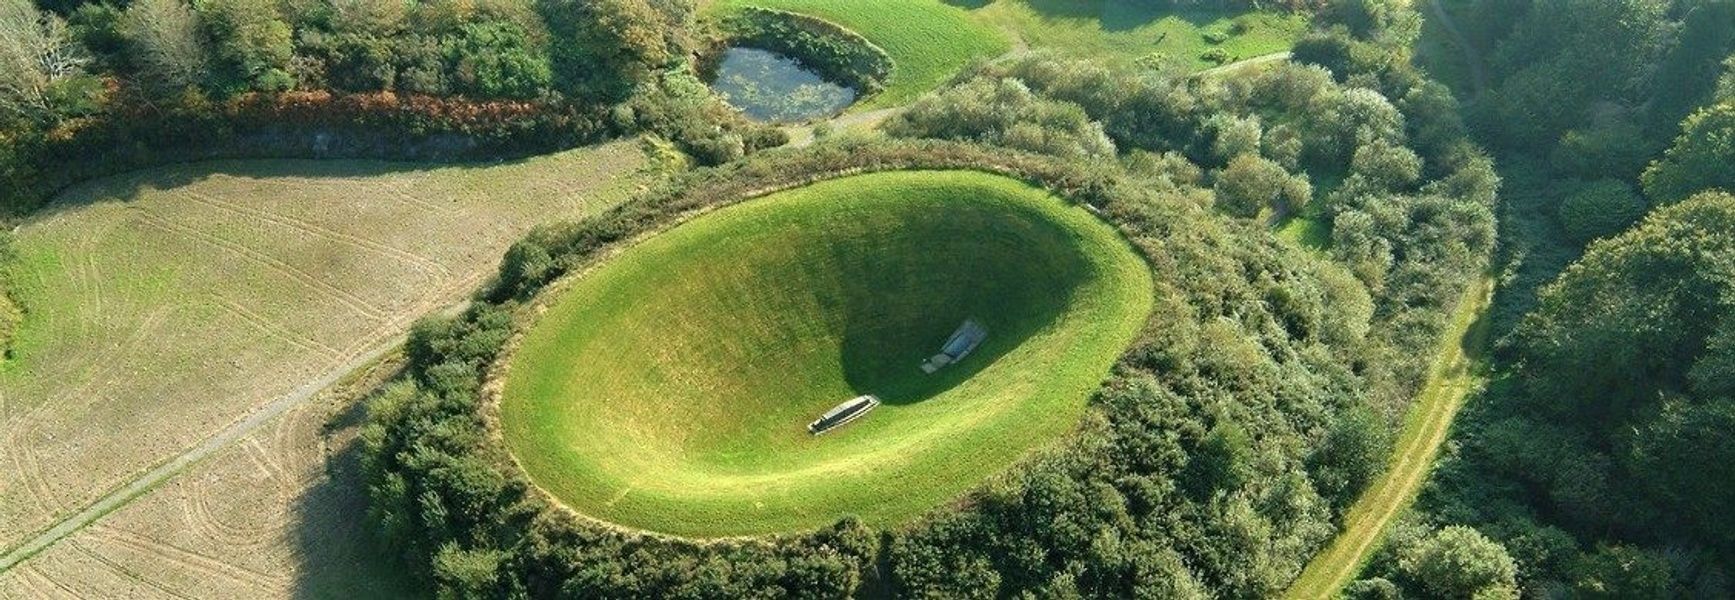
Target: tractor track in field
[355, 303]
[428, 266]
[123, 494]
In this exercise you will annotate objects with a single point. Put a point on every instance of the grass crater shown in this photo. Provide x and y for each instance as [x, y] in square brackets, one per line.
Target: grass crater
[669, 390]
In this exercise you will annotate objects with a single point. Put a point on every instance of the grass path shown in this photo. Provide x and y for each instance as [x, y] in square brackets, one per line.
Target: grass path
[1457, 371]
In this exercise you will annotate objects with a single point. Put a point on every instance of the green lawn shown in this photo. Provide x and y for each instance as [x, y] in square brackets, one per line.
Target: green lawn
[670, 389]
[928, 40]
[1124, 32]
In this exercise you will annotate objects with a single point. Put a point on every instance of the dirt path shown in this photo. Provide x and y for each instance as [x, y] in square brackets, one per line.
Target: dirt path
[1456, 373]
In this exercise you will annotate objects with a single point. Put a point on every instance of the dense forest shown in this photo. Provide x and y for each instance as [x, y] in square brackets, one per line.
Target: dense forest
[1596, 463]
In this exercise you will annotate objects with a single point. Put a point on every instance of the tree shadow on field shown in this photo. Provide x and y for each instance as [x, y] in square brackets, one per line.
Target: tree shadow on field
[1119, 15]
[335, 547]
[129, 186]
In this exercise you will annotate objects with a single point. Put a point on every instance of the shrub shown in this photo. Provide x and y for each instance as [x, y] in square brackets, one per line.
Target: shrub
[1459, 562]
[1600, 209]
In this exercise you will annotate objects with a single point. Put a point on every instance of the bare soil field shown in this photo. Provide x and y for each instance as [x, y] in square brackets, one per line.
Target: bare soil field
[167, 305]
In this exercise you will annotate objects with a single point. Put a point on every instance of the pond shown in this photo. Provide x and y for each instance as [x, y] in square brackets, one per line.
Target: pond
[771, 87]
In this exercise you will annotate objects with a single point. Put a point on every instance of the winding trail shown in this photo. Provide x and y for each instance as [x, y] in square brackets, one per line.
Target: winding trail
[1457, 371]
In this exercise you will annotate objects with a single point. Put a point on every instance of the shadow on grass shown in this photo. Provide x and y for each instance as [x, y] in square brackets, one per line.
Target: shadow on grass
[336, 551]
[1017, 280]
[1119, 15]
[131, 185]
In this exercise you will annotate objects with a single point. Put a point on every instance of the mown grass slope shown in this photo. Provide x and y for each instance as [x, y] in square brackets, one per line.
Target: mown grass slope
[929, 41]
[669, 390]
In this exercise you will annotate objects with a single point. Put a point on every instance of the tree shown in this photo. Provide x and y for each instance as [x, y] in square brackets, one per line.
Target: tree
[249, 44]
[39, 61]
[1459, 562]
[163, 36]
[1623, 572]
[526, 265]
[1352, 453]
[1726, 83]
[1600, 208]
[604, 48]
[1685, 457]
[464, 574]
[1372, 589]
[1390, 166]
[1633, 316]
[1688, 74]
[498, 60]
[1236, 136]
[1251, 184]
[1223, 460]
[1699, 160]
[1004, 111]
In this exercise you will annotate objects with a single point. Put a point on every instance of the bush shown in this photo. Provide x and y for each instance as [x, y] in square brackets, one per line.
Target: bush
[1600, 209]
[1459, 562]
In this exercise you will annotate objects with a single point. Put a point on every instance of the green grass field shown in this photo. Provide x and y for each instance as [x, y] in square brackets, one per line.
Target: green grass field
[929, 41]
[670, 389]
[1124, 32]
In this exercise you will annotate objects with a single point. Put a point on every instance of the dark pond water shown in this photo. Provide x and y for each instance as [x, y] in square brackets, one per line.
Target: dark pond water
[768, 86]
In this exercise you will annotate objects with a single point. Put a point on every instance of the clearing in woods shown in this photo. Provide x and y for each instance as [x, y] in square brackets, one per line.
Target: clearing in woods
[671, 388]
[166, 305]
